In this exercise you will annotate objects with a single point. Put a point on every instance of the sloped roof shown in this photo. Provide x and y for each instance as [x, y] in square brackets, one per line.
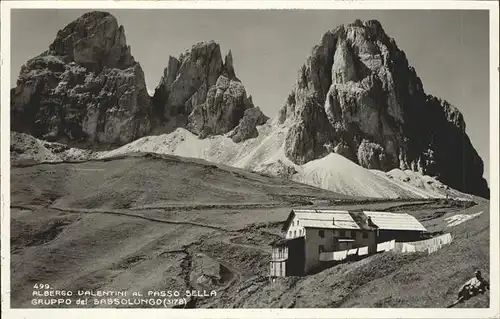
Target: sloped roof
[395, 221]
[321, 218]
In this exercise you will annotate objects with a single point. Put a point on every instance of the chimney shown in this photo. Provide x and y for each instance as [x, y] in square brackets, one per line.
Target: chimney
[370, 223]
[333, 220]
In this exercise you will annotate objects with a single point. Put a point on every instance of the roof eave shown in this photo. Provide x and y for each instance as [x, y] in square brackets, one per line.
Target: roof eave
[341, 228]
[288, 220]
[402, 229]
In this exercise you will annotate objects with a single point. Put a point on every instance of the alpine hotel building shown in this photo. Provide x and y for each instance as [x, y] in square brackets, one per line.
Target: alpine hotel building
[309, 234]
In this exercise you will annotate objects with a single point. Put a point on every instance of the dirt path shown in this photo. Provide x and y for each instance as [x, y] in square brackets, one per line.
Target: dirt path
[229, 241]
[121, 213]
[211, 206]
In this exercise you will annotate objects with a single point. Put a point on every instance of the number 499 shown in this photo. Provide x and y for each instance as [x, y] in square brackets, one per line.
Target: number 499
[41, 286]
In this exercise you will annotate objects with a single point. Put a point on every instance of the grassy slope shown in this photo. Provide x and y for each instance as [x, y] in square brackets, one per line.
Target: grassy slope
[69, 235]
[91, 249]
[145, 179]
[433, 280]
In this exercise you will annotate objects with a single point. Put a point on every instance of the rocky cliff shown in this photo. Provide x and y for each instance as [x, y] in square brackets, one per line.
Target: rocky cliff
[200, 91]
[88, 88]
[357, 95]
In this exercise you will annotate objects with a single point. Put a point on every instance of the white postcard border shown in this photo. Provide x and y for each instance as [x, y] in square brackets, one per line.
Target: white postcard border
[492, 312]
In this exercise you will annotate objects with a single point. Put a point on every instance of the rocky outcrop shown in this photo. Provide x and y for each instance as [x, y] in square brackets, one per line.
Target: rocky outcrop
[86, 87]
[200, 91]
[27, 150]
[186, 80]
[357, 95]
[247, 128]
[224, 107]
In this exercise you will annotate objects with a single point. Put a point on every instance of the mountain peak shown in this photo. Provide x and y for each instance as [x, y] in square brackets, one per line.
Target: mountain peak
[200, 91]
[357, 94]
[86, 87]
[228, 66]
[94, 40]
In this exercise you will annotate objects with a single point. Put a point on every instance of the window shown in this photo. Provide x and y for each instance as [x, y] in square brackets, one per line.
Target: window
[294, 233]
[297, 222]
[292, 222]
[365, 234]
[342, 233]
[321, 248]
[290, 233]
[348, 233]
[321, 233]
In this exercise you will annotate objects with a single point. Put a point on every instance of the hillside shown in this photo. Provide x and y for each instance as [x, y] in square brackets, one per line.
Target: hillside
[150, 222]
[264, 154]
[140, 180]
[389, 279]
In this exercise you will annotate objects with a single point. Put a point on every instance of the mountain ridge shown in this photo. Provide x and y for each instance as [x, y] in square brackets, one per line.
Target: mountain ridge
[356, 95]
[87, 89]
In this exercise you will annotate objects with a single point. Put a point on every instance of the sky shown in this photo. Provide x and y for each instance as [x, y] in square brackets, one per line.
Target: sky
[449, 49]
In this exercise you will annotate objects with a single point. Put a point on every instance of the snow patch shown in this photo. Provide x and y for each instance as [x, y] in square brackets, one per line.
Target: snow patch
[460, 218]
[266, 154]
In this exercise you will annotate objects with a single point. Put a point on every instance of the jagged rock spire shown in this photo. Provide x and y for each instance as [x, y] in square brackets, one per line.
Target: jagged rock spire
[356, 94]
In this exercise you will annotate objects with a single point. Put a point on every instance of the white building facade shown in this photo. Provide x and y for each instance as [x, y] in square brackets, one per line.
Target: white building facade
[310, 235]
